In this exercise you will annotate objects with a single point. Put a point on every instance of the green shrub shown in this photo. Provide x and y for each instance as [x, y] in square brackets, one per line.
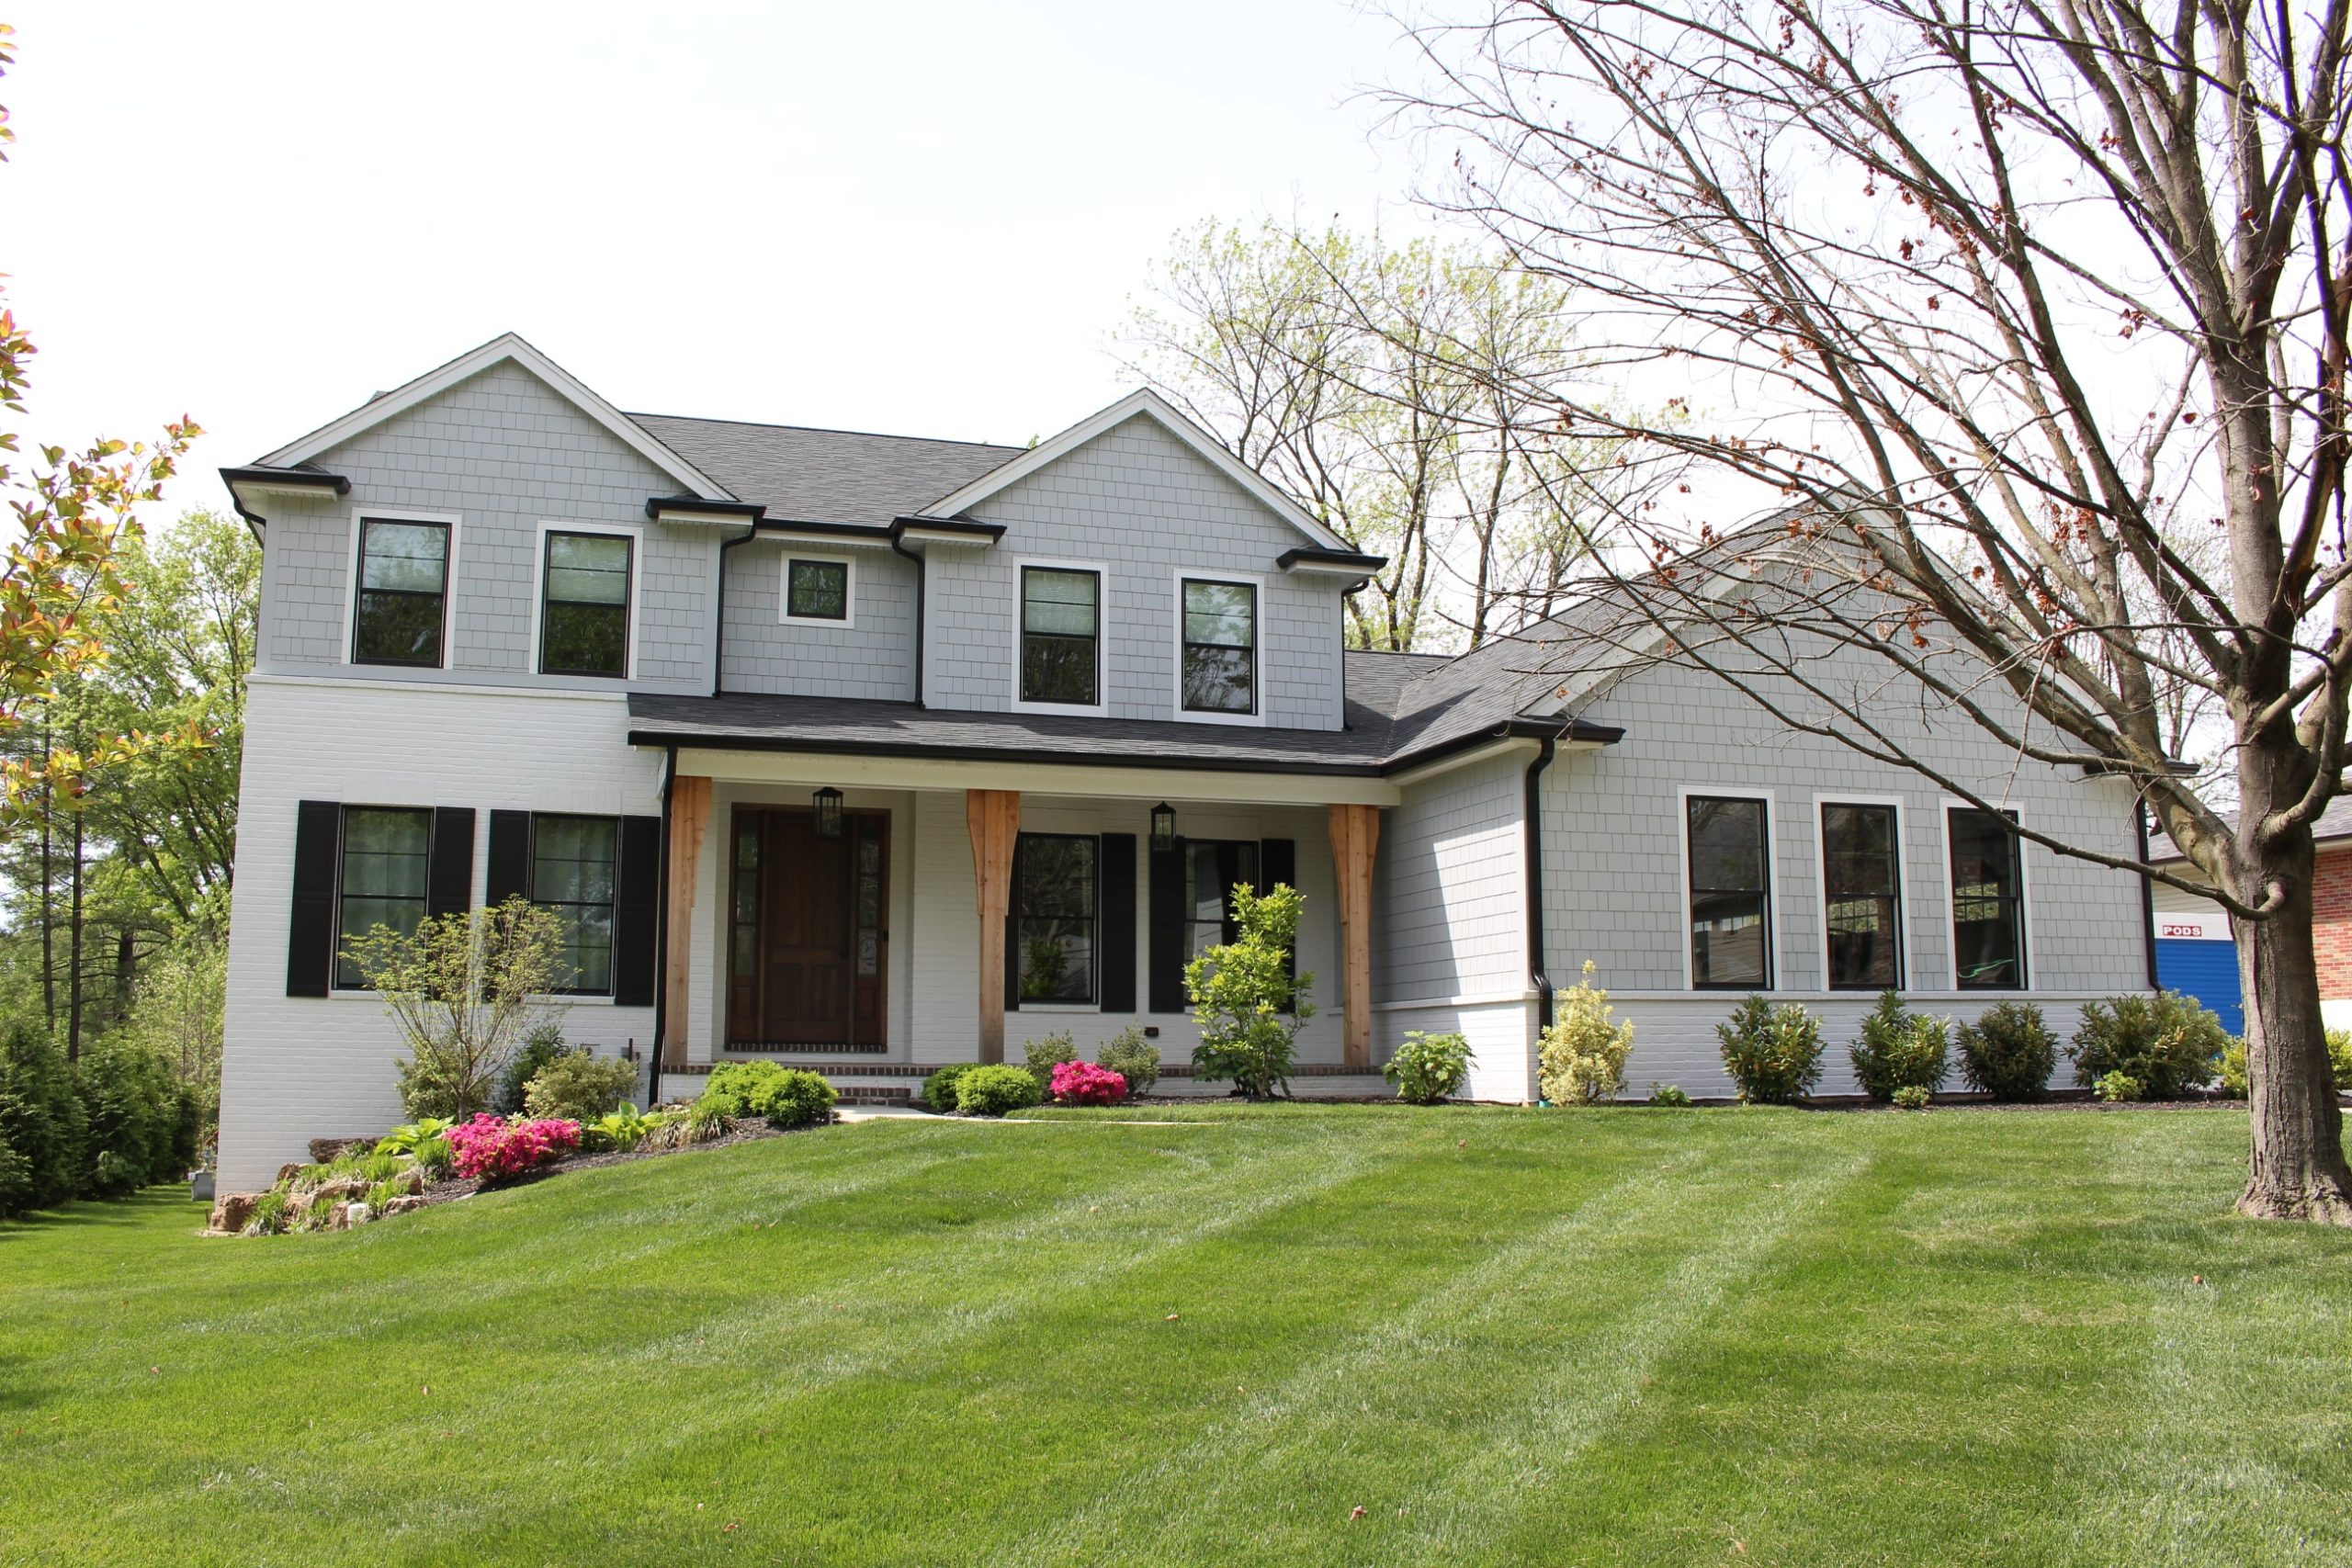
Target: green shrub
[1428, 1068]
[2009, 1052]
[679, 1127]
[1669, 1095]
[939, 1088]
[993, 1090]
[41, 1117]
[579, 1087]
[784, 1096]
[616, 1131]
[2230, 1071]
[2167, 1042]
[1247, 1001]
[1044, 1055]
[1774, 1054]
[2339, 1057]
[463, 991]
[15, 1180]
[1583, 1056]
[138, 1128]
[270, 1213]
[540, 1047]
[2119, 1088]
[1132, 1056]
[1911, 1097]
[1900, 1049]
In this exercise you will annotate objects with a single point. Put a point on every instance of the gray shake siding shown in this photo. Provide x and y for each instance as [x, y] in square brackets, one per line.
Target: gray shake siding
[1142, 504]
[870, 657]
[1447, 883]
[503, 453]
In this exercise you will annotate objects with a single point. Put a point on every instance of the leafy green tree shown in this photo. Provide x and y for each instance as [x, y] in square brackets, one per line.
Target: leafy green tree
[1248, 1000]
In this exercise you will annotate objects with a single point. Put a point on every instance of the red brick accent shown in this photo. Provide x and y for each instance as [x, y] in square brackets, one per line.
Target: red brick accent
[2332, 920]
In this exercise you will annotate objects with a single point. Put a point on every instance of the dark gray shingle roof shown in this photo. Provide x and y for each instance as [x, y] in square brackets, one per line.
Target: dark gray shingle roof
[825, 476]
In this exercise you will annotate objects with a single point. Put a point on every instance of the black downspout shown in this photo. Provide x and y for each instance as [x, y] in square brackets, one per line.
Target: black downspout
[1536, 880]
[662, 942]
[2147, 897]
[898, 546]
[718, 635]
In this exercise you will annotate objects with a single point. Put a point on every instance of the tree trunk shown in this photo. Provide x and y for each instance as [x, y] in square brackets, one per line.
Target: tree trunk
[73, 951]
[2297, 1170]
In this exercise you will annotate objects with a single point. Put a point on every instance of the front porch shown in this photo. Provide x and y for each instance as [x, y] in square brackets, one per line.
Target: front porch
[876, 919]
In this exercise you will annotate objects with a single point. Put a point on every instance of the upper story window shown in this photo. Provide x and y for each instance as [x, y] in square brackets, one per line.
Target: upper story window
[1054, 915]
[386, 854]
[403, 592]
[1861, 882]
[816, 590]
[1987, 900]
[1219, 652]
[575, 863]
[1061, 634]
[583, 625]
[1731, 893]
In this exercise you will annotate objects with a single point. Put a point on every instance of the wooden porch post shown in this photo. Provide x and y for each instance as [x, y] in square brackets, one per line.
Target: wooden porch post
[993, 816]
[689, 817]
[1355, 834]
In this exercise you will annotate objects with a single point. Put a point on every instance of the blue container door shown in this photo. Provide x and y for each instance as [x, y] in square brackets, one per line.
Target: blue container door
[2208, 971]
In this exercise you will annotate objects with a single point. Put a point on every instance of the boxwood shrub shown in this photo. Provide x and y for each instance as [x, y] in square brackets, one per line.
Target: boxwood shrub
[2009, 1052]
[787, 1097]
[2165, 1043]
[993, 1090]
[939, 1088]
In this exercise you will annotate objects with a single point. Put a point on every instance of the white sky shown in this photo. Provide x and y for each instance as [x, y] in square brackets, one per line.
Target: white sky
[924, 218]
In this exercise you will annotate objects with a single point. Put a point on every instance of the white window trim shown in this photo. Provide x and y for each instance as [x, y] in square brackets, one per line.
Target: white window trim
[361, 515]
[633, 531]
[1101, 709]
[1903, 883]
[1771, 880]
[1944, 808]
[1257, 586]
[848, 617]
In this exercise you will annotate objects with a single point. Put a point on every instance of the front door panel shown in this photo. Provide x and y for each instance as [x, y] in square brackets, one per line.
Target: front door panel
[806, 949]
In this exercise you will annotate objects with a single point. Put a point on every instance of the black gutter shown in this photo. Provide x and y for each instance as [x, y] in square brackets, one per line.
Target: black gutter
[922, 586]
[1535, 969]
[718, 621]
[662, 943]
[2147, 897]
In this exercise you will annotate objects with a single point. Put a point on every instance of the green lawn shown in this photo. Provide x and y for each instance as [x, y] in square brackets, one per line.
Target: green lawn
[1508, 1337]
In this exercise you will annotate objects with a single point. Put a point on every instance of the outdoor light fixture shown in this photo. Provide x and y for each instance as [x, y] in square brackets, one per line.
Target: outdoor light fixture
[828, 801]
[1163, 827]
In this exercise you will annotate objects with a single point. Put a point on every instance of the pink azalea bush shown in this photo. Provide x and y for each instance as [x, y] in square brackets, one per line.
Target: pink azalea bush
[491, 1148]
[1083, 1083]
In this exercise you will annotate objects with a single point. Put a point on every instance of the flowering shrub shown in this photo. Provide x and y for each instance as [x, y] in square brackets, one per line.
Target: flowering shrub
[1083, 1083]
[490, 1150]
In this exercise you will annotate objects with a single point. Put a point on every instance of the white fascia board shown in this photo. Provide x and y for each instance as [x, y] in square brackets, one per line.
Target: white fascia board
[506, 346]
[1105, 782]
[822, 542]
[1150, 405]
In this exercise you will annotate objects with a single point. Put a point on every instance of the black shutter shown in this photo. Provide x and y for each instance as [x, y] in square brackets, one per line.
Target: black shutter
[1013, 932]
[309, 943]
[510, 857]
[1114, 922]
[636, 902]
[449, 873]
[1167, 929]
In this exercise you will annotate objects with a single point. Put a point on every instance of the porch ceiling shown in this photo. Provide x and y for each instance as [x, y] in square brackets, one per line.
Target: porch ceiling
[1051, 777]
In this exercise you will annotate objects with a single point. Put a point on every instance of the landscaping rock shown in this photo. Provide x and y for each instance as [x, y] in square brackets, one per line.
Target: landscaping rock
[288, 1172]
[324, 1151]
[233, 1211]
[359, 1214]
[402, 1206]
[338, 1218]
[341, 1190]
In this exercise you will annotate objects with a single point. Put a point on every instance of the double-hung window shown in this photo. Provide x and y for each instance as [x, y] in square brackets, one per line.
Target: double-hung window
[1055, 916]
[403, 589]
[1861, 883]
[1987, 900]
[1219, 652]
[574, 872]
[1061, 632]
[584, 623]
[386, 854]
[1731, 894]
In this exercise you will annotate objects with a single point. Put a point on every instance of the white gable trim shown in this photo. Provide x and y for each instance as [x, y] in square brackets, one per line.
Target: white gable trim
[1153, 407]
[498, 349]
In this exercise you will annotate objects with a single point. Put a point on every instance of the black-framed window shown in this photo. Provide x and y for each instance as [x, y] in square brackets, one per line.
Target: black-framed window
[575, 863]
[385, 857]
[401, 610]
[1731, 893]
[583, 625]
[1212, 868]
[816, 590]
[1220, 648]
[1061, 628]
[1862, 891]
[1055, 916]
[1987, 899]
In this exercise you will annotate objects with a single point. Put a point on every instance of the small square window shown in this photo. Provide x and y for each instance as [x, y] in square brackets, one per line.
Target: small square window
[816, 590]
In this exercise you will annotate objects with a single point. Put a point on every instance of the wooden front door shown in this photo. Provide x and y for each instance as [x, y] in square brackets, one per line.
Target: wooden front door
[805, 950]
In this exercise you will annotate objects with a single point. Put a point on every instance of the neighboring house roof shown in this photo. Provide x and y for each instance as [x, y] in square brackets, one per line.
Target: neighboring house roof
[2335, 823]
[499, 350]
[805, 475]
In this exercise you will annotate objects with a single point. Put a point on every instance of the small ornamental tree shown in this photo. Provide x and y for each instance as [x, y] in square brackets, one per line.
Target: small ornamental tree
[1247, 1001]
[1584, 1052]
[463, 991]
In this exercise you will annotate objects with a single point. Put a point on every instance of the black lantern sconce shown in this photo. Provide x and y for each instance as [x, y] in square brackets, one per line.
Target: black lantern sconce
[828, 801]
[1163, 827]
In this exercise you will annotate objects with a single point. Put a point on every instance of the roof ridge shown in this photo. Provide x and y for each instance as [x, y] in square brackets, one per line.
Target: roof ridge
[823, 430]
